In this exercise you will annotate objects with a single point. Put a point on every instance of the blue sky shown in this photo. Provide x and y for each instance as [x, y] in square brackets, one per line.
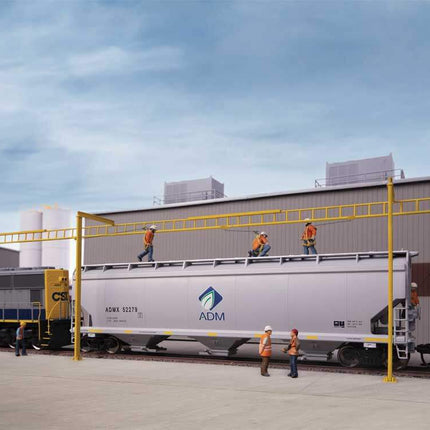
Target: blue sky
[103, 101]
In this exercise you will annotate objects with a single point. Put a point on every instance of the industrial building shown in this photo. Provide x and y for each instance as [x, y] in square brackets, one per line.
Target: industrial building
[361, 235]
[9, 257]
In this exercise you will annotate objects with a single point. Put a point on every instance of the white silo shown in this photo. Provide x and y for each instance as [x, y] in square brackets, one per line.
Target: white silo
[56, 253]
[30, 253]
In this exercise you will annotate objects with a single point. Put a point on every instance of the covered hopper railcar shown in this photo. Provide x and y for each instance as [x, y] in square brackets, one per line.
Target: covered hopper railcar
[336, 301]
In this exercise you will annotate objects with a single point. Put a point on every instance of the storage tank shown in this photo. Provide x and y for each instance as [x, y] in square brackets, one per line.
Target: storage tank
[56, 253]
[31, 253]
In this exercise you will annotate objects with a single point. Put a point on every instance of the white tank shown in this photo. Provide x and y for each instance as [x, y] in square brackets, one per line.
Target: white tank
[56, 253]
[30, 253]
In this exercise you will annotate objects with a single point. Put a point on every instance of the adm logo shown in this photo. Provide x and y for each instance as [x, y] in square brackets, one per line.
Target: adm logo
[209, 299]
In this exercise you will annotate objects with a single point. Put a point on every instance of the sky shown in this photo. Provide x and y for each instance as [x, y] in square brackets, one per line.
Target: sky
[101, 102]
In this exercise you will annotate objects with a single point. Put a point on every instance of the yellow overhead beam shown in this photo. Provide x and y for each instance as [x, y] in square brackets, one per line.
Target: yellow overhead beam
[416, 206]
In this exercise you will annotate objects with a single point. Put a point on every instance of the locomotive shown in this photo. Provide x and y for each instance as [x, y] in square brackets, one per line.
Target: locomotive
[40, 297]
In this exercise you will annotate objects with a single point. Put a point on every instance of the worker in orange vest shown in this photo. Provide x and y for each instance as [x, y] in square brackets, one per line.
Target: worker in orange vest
[293, 351]
[415, 300]
[308, 237]
[260, 245]
[20, 340]
[265, 350]
[147, 243]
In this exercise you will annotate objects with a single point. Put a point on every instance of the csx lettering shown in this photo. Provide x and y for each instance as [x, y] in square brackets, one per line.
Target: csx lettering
[57, 296]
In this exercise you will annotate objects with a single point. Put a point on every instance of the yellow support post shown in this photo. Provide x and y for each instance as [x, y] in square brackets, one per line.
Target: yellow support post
[78, 273]
[390, 192]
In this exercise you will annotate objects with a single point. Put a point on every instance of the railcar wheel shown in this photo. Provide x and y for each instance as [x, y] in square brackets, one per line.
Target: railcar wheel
[113, 345]
[85, 344]
[35, 343]
[348, 356]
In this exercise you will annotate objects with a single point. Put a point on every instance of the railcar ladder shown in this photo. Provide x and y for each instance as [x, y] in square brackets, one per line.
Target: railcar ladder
[401, 332]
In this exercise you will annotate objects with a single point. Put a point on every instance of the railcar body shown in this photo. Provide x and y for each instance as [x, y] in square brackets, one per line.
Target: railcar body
[336, 301]
[40, 297]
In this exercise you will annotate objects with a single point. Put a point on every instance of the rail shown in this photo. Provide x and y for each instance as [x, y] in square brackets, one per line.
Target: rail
[381, 175]
[17, 307]
[233, 220]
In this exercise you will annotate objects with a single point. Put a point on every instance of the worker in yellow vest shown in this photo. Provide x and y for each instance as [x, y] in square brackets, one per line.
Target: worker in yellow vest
[265, 350]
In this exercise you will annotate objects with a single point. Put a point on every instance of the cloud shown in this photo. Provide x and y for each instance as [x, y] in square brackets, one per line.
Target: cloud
[114, 60]
[102, 102]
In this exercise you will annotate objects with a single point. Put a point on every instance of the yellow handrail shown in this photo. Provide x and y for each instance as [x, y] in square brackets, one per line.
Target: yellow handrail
[231, 220]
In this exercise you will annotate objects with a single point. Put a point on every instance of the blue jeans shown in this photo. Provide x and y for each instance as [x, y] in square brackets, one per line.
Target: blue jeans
[17, 344]
[149, 251]
[293, 365]
[307, 248]
[265, 250]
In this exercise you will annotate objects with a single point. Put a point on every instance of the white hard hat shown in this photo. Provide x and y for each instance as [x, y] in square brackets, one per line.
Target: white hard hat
[153, 227]
[263, 233]
[307, 220]
[267, 328]
[414, 285]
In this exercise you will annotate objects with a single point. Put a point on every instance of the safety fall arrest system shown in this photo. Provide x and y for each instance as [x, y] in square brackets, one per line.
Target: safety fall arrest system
[228, 221]
[388, 209]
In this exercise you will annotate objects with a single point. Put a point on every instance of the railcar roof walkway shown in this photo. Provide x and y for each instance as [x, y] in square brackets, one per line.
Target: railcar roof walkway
[53, 392]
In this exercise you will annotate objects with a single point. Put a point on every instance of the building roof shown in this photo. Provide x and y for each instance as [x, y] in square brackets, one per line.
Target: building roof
[275, 194]
[2, 248]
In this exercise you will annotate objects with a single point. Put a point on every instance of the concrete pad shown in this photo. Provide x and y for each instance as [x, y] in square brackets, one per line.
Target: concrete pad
[54, 392]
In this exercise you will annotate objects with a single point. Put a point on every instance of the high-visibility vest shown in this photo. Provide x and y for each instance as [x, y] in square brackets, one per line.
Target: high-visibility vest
[147, 239]
[265, 348]
[256, 243]
[310, 231]
[20, 333]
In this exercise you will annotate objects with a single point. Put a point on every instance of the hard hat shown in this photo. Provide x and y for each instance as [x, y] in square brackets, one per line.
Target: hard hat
[295, 331]
[414, 285]
[23, 323]
[267, 328]
[153, 227]
[307, 220]
[263, 233]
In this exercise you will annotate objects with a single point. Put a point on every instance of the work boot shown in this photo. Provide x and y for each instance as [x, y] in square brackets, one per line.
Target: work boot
[139, 258]
[150, 261]
[249, 253]
[265, 374]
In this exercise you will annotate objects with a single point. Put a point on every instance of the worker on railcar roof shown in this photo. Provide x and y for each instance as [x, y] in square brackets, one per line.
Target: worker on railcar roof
[260, 245]
[147, 243]
[265, 350]
[308, 237]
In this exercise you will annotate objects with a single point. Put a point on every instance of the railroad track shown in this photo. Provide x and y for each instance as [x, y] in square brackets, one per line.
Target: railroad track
[410, 372]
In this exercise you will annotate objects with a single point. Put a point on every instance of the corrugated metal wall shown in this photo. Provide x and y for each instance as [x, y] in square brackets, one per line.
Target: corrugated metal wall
[9, 258]
[410, 232]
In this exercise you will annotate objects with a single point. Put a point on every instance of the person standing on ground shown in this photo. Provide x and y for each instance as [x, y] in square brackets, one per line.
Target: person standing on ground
[265, 350]
[308, 238]
[20, 339]
[147, 243]
[293, 351]
[260, 246]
